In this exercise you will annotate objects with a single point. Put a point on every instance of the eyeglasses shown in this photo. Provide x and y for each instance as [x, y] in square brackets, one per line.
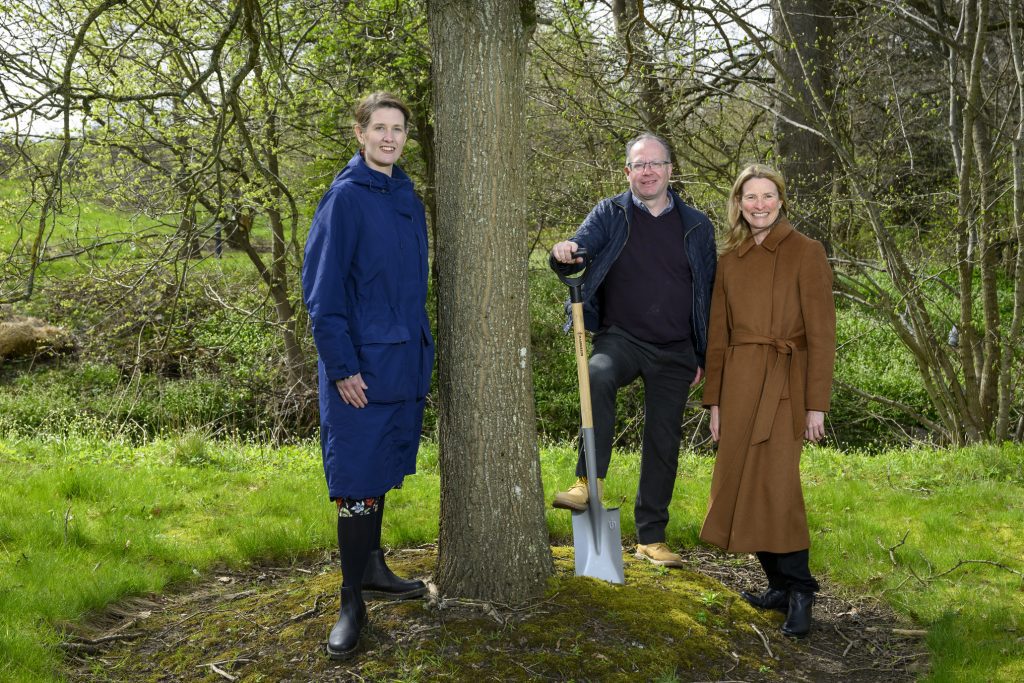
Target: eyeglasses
[644, 165]
[766, 197]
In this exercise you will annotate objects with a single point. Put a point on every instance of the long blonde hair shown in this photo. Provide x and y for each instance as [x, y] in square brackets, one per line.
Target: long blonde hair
[738, 230]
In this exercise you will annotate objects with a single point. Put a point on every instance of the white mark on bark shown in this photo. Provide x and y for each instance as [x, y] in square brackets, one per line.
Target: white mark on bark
[522, 358]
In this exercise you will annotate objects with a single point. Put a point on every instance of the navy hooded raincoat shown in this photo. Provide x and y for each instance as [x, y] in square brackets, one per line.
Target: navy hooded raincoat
[364, 281]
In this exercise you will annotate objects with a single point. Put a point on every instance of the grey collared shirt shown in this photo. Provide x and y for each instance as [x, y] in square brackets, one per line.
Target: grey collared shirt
[668, 207]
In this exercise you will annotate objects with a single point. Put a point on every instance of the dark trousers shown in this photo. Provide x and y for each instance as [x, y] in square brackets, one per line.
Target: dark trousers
[788, 571]
[617, 360]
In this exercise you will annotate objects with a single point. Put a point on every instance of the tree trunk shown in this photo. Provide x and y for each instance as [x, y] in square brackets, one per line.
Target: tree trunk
[804, 31]
[650, 96]
[493, 542]
[296, 365]
[1006, 392]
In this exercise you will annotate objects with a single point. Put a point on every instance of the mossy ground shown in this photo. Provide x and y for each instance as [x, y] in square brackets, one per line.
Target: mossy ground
[270, 624]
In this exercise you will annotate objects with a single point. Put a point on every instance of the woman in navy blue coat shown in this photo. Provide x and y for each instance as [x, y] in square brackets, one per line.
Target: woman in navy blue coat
[364, 281]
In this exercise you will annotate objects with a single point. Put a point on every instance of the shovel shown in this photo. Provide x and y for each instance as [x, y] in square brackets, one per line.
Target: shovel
[595, 531]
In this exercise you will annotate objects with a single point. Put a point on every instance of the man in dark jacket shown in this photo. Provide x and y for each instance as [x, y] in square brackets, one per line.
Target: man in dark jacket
[647, 298]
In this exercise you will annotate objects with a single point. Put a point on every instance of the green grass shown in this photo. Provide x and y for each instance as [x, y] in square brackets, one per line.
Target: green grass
[124, 314]
[86, 521]
[83, 523]
[85, 223]
[99, 237]
[953, 521]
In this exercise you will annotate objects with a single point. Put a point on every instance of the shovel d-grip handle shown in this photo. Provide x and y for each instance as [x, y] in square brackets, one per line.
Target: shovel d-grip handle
[574, 281]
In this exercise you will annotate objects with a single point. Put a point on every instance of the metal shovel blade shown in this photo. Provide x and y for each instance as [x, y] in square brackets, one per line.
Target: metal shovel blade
[596, 536]
[603, 562]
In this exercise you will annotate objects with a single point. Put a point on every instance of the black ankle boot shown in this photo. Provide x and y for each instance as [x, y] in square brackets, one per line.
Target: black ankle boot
[381, 582]
[773, 598]
[798, 619]
[344, 638]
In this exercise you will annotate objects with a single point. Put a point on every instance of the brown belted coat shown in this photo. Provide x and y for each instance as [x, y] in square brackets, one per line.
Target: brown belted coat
[771, 351]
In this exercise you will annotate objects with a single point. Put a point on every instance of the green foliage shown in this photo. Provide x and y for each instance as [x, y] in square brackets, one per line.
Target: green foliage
[167, 362]
[870, 358]
[159, 348]
[191, 449]
[137, 173]
[89, 398]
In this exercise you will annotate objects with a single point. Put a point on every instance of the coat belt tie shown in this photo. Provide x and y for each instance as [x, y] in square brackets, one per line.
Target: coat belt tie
[774, 381]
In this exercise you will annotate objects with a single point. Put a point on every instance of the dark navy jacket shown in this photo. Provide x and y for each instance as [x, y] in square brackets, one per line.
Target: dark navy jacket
[603, 234]
[364, 281]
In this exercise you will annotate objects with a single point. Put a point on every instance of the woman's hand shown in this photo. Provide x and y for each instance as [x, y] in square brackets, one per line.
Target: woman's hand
[351, 390]
[714, 424]
[815, 426]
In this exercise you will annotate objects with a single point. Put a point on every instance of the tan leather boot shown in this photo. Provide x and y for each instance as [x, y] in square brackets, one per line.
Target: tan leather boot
[659, 554]
[577, 497]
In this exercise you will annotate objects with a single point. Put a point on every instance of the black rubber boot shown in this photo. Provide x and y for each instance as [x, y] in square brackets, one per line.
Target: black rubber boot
[798, 620]
[343, 641]
[773, 598]
[380, 582]
[355, 538]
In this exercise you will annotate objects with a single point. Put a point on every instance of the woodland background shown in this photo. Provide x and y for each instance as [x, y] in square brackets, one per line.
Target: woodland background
[160, 161]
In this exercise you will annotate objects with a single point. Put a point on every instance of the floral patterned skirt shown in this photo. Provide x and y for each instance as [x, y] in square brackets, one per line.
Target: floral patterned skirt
[358, 507]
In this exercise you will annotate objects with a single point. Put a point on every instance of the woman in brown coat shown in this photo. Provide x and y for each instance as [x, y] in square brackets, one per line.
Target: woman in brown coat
[771, 350]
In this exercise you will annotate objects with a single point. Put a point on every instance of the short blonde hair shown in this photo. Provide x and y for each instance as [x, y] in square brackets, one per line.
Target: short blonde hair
[738, 230]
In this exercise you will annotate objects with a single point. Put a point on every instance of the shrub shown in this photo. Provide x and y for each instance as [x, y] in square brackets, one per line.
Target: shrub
[219, 370]
[871, 358]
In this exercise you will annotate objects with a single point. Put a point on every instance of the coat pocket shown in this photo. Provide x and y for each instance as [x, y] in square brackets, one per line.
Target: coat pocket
[387, 368]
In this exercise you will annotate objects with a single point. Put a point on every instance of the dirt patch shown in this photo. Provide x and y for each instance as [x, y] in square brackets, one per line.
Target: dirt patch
[271, 623]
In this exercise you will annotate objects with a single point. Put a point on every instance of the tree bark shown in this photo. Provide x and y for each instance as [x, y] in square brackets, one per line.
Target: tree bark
[804, 31]
[493, 542]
